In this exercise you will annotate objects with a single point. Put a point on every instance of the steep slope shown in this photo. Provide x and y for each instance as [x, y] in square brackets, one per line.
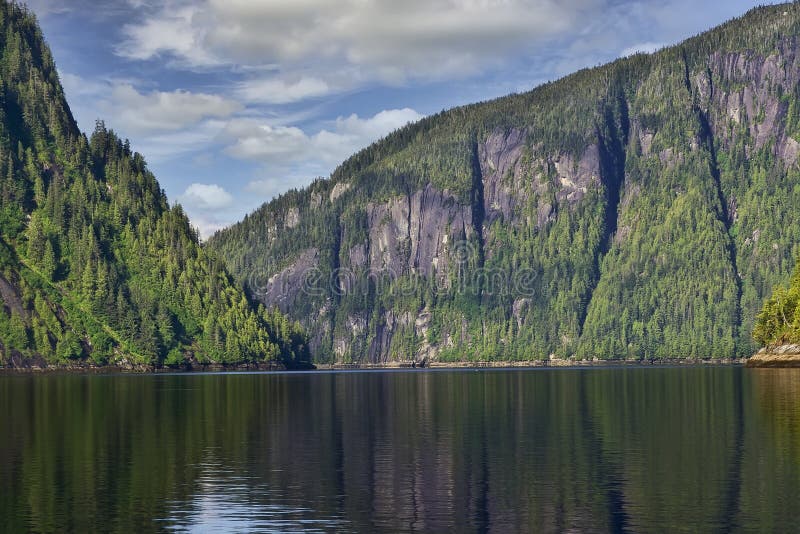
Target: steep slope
[642, 209]
[94, 263]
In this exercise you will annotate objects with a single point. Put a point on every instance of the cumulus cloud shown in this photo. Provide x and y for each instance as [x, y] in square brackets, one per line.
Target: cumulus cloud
[207, 206]
[284, 145]
[291, 158]
[385, 39]
[377, 126]
[173, 31]
[206, 197]
[351, 44]
[165, 110]
[163, 125]
[281, 91]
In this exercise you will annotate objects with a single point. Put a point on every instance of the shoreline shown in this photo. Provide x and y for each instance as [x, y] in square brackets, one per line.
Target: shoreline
[91, 369]
[531, 364]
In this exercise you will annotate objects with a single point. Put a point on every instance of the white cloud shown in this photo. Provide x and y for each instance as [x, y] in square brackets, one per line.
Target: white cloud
[173, 145]
[285, 145]
[645, 48]
[291, 158]
[76, 86]
[178, 118]
[206, 197]
[165, 111]
[277, 91]
[385, 40]
[173, 31]
[377, 126]
[254, 140]
[207, 205]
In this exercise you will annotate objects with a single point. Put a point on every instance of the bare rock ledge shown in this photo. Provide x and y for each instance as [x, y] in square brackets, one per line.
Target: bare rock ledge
[776, 356]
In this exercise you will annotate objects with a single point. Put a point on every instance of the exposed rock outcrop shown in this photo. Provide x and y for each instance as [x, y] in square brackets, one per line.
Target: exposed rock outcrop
[780, 356]
[413, 234]
[283, 288]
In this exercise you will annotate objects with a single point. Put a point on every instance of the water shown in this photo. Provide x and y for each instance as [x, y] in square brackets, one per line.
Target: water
[633, 449]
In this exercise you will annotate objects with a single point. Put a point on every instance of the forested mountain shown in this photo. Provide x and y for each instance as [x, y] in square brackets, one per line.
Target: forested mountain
[95, 265]
[641, 209]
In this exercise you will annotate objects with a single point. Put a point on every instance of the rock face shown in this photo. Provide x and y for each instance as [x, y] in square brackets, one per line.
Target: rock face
[283, 288]
[640, 209]
[780, 356]
[423, 235]
[415, 234]
[513, 172]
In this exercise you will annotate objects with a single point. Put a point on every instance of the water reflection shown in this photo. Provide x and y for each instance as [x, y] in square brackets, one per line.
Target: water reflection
[223, 501]
[643, 450]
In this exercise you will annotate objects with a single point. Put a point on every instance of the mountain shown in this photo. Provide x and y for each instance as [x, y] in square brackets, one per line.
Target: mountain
[640, 209]
[95, 265]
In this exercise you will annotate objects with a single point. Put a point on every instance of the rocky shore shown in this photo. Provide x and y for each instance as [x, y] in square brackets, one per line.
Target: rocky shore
[777, 356]
[125, 367]
[553, 362]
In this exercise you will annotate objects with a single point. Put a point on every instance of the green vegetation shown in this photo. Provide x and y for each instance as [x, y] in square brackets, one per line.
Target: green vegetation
[779, 320]
[688, 219]
[94, 262]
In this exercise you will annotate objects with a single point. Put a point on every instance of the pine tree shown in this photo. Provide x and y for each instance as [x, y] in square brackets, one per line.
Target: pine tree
[49, 262]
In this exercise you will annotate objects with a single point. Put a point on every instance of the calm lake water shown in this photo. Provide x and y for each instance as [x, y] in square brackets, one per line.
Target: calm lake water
[633, 449]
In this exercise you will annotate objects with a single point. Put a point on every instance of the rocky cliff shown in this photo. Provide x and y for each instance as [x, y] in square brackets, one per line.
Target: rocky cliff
[643, 209]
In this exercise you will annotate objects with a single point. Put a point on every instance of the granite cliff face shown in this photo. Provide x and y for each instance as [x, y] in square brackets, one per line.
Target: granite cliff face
[642, 209]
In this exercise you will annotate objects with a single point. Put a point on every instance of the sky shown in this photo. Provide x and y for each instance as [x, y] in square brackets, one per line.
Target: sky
[233, 102]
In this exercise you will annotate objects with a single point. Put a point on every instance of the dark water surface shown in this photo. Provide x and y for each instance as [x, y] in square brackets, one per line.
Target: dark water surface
[633, 449]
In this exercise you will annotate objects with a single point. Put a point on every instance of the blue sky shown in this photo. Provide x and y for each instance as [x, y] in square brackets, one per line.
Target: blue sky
[233, 102]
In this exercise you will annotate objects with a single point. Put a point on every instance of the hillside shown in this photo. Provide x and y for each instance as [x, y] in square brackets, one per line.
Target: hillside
[95, 265]
[641, 209]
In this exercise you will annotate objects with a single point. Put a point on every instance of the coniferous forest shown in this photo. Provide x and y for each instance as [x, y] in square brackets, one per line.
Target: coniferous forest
[650, 203]
[642, 209]
[95, 264]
